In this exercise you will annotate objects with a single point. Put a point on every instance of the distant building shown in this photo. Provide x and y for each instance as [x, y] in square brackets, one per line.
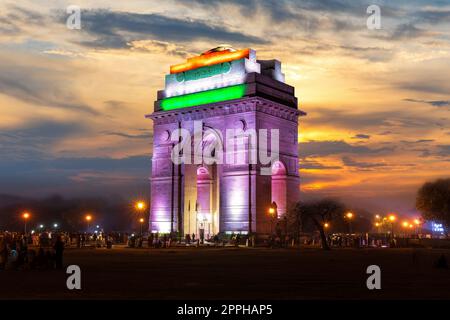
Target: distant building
[205, 98]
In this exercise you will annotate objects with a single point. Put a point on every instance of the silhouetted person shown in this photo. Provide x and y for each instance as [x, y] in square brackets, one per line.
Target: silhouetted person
[49, 262]
[40, 258]
[150, 240]
[78, 239]
[59, 249]
[441, 263]
[164, 240]
[3, 253]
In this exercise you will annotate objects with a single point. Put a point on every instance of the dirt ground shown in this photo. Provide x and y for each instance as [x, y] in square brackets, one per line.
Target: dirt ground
[236, 273]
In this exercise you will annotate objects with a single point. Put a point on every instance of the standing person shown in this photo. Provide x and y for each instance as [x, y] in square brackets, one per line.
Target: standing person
[83, 240]
[78, 239]
[188, 238]
[22, 251]
[3, 253]
[150, 240]
[164, 240]
[59, 249]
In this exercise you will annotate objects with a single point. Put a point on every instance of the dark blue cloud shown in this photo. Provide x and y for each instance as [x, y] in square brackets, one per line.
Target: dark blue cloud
[326, 148]
[29, 167]
[432, 15]
[361, 136]
[147, 135]
[40, 86]
[12, 21]
[444, 151]
[111, 29]
[33, 140]
[71, 175]
[434, 103]
[349, 162]
[311, 164]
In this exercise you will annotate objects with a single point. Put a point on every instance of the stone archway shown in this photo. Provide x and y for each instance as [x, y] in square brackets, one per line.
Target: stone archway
[204, 214]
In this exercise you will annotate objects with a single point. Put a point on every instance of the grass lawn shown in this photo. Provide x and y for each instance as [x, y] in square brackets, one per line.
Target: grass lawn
[235, 273]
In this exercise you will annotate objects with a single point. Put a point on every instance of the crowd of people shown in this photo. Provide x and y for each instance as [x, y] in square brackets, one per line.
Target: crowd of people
[17, 253]
[156, 240]
[44, 250]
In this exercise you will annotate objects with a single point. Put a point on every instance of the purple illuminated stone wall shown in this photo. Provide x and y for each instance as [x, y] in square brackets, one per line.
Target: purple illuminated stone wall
[228, 197]
[235, 196]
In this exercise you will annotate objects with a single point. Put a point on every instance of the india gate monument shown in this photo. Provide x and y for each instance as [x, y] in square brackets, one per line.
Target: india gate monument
[225, 146]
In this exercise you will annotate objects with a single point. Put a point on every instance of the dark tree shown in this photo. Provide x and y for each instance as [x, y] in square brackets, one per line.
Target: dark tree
[433, 201]
[318, 213]
[293, 221]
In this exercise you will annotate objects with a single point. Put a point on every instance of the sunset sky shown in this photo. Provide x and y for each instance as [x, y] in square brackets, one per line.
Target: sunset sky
[73, 101]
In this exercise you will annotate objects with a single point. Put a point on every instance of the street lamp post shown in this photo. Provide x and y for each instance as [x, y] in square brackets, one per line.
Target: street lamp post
[88, 219]
[405, 225]
[326, 225]
[417, 223]
[272, 214]
[392, 218]
[25, 217]
[141, 220]
[349, 216]
[140, 207]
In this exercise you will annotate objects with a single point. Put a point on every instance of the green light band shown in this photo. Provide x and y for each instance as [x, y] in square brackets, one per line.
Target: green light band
[205, 97]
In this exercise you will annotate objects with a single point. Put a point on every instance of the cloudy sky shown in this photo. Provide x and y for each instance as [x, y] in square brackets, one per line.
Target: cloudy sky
[73, 101]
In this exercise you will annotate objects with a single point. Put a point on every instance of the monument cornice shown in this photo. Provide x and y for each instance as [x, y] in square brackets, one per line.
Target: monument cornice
[246, 104]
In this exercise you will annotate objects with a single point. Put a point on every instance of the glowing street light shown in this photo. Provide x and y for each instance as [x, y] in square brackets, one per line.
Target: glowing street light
[141, 221]
[140, 205]
[273, 214]
[392, 218]
[378, 224]
[405, 224]
[417, 222]
[326, 225]
[25, 217]
[88, 219]
[55, 225]
[377, 216]
[349, 216]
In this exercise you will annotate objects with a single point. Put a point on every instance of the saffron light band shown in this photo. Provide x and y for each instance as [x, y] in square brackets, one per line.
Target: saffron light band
[209, 59]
